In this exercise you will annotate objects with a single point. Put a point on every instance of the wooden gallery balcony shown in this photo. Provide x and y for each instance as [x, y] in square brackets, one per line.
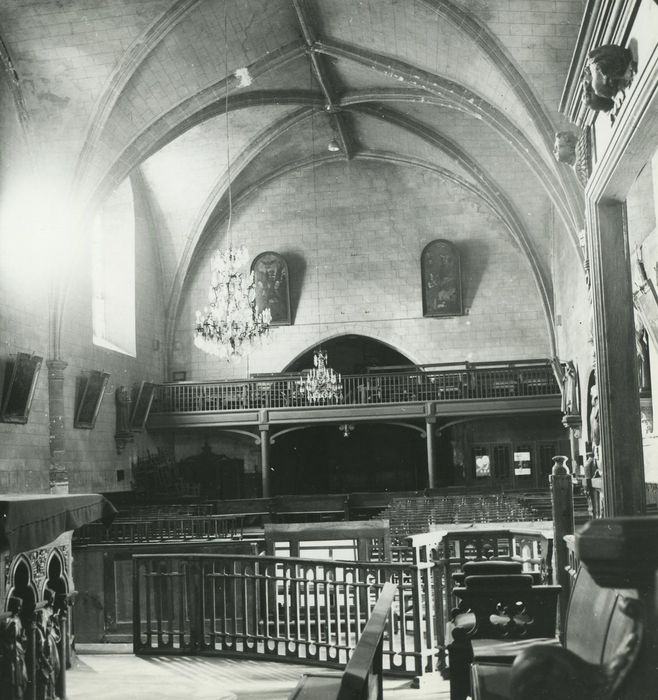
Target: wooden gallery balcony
[380, 394]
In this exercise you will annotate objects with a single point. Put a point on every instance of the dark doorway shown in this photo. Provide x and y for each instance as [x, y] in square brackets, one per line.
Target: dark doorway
[320, 459]
[352, 354]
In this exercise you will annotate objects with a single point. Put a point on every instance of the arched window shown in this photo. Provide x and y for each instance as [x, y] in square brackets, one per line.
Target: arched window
[441, 279]
[113, 273]
[272, 287]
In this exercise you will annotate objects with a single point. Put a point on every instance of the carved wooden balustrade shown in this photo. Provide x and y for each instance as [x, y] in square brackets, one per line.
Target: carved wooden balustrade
[267, 607]
[437, 382]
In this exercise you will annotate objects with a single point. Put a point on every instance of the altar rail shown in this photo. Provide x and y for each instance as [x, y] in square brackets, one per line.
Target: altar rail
[310, 610]
[437, 382]
[313, 610]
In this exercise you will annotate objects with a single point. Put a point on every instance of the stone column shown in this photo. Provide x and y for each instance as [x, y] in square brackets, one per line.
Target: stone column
[614, 340]
[58, 476]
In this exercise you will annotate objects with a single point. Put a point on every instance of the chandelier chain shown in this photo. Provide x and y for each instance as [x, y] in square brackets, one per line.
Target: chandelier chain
[230, 325]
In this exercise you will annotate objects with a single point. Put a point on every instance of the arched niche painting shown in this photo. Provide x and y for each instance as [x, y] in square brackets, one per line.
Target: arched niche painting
[441, 279]
[272, 287]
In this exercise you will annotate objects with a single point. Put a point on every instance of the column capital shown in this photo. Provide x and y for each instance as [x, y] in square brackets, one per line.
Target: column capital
[56, 368]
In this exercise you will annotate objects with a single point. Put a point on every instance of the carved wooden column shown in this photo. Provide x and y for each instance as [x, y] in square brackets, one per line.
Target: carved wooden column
[563, 524]
[58, 476]
[614, 339]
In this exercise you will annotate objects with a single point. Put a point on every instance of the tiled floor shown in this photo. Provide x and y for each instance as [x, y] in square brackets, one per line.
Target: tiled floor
[119, 675]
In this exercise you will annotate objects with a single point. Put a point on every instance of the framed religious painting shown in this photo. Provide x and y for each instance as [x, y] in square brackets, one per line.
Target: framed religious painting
[142, 406]
[90, 390]
[272, 285]
[21, 374]
[441, 279]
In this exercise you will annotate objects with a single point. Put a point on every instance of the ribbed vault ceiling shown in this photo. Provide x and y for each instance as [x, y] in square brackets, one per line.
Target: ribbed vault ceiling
[437, 84]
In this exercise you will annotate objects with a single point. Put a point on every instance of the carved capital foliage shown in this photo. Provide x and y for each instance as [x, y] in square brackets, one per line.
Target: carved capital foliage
[38, 562]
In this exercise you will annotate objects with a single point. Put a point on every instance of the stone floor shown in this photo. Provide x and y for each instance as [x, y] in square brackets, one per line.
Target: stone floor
[114, 673]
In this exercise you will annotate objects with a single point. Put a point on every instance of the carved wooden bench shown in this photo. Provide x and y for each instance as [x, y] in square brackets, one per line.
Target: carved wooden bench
[499, 609]
[611, 636]
[362, 676]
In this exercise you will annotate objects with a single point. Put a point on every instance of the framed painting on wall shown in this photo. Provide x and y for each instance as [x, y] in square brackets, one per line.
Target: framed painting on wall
[272, 287]
[441, 279]
[21, 376]
[142, 406]
[91, 388]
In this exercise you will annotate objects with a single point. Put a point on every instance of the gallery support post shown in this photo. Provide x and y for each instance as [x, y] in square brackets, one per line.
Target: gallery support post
[57, 473]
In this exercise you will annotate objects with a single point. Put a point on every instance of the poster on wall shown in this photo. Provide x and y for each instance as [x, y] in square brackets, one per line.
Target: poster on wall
[441, 279]
[522, 464]
[272, 286]
[482, 466]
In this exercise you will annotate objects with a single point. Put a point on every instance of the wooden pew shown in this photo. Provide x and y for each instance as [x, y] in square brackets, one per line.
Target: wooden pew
[611, 637]
[362, 677]
[327, 506]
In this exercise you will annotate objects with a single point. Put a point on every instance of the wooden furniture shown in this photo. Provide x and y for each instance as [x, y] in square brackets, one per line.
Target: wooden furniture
[301, 506]
[496, 608]
[611, 637]
[354, 540]
[362, 677]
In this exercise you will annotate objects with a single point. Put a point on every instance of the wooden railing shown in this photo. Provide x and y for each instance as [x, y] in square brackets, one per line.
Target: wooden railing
[422, 383]
[160, 529]
[362, 678]
[310, 610]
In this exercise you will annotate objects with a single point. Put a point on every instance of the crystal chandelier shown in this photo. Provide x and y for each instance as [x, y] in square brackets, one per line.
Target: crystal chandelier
[230, 325]
[321, 383]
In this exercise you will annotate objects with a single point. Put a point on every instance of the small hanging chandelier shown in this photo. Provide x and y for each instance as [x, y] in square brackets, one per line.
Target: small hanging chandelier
[321, 383]
[230, 325]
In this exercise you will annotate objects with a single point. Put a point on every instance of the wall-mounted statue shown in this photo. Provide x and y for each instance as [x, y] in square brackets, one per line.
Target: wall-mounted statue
[13, 672]
[570, 390]
[608, 71]
[123, 401]
[564, 148]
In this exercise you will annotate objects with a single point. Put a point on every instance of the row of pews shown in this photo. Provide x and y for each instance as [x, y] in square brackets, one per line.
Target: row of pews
[407, 512]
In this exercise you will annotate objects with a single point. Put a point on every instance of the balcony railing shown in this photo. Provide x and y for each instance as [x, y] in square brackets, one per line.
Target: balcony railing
[385, 385]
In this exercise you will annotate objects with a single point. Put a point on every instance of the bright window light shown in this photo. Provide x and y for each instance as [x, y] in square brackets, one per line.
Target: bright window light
[113, 273]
